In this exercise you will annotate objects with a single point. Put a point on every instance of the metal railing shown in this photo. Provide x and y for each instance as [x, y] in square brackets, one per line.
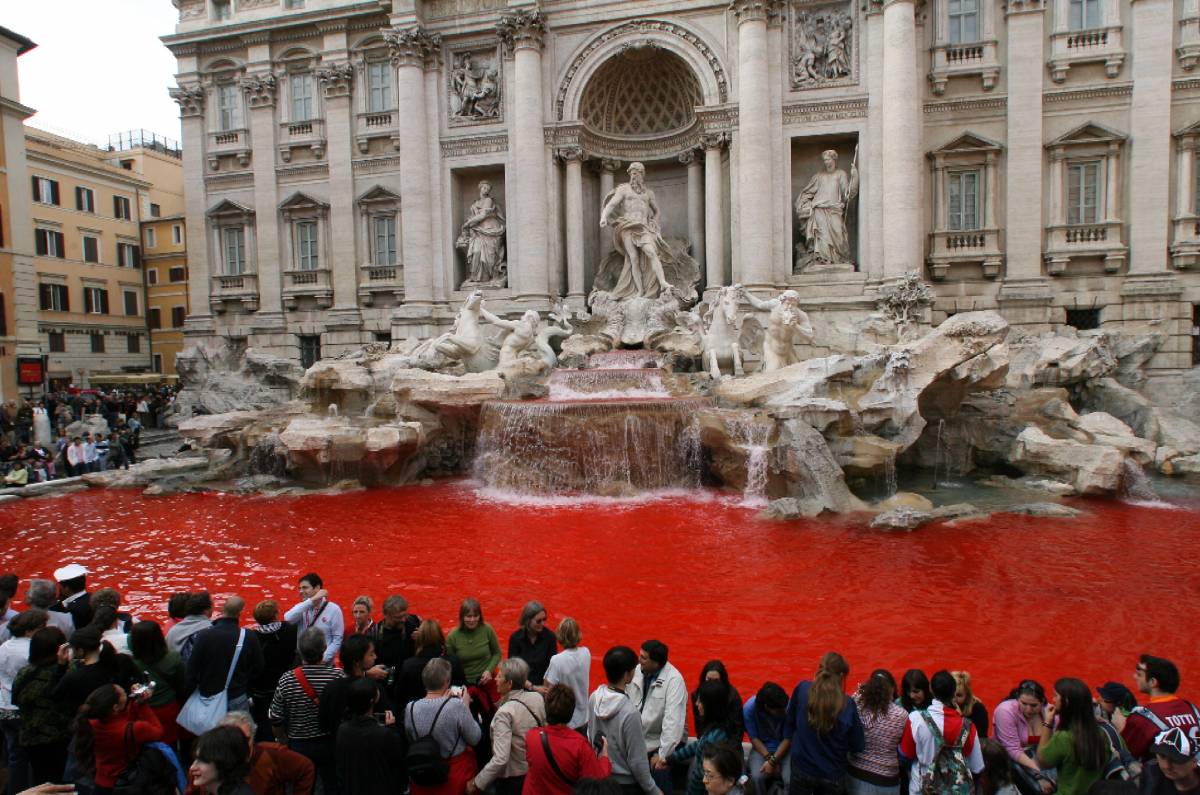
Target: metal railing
[144, 139]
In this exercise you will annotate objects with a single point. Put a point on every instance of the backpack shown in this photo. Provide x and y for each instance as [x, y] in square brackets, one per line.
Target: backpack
[185, 648]
[423, 759]
[948, 773]
[154, 771]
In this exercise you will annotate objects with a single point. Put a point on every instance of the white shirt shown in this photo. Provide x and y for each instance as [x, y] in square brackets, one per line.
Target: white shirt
[14, 655]
[571, 667]
[326, 617]
[118, 639]
[89, 452]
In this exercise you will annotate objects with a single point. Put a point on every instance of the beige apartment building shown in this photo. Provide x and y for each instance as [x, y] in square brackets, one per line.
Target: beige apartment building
[18, 301]
[164, 259]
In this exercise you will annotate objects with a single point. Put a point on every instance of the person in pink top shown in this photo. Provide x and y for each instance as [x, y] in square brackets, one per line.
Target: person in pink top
[1017, 724]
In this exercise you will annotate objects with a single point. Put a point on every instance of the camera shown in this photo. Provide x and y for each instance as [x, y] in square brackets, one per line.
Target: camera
[456, 691]
[138, 690]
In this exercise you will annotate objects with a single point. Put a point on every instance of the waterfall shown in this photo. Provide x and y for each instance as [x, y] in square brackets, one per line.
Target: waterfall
[937, 453]
[332, 411]
[609, 448]
[606, 384]
[756, 475]
[889, 474]
[266, 458]
[1134, 483]
[625, 359]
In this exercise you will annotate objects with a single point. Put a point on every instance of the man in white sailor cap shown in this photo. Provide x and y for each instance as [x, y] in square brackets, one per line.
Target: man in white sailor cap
[73, 597]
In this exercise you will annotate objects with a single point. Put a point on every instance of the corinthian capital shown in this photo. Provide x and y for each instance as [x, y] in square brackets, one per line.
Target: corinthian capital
[190, 99]
[522, 28]
[260, 90]
[412, 46]
[336, 78]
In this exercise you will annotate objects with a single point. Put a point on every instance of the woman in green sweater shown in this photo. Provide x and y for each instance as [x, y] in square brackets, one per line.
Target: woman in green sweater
[475, 643]
[1077, 747]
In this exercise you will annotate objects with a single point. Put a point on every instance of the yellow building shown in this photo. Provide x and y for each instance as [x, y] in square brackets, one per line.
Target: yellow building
[86, 227]
[164, 258]
[18, 318]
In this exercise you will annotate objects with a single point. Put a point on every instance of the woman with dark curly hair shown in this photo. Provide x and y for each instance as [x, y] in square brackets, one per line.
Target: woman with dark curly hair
[222, 762]
[876, 770]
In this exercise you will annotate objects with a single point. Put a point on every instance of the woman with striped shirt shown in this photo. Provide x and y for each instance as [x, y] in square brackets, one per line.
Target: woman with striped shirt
[876, 771]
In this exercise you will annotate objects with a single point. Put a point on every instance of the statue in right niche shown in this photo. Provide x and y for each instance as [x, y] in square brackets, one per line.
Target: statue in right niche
[482, 240]
[821, 208]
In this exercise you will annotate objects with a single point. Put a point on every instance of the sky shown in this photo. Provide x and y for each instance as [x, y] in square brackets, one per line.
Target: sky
[99, 67]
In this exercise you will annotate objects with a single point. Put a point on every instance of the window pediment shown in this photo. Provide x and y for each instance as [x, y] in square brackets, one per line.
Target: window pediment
[1089, 133]
[378, 197]
[229, 210]
[967, 144]
[300, 201]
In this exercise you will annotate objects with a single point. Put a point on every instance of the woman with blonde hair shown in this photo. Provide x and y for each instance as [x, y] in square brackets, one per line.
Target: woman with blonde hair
[969, 706]
[824, 727]
[570, 667]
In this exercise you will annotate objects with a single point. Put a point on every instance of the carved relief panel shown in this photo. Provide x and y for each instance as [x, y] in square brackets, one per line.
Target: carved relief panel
[822, 44]
[474, 83]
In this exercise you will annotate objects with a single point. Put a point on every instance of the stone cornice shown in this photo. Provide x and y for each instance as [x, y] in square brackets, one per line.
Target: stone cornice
[462, 146]
[343, 14]
[522, 29]
[718, 118]
[970, 105]
[1094, 92]
[412, 46]
[850, 108]
[1186, 84]
[336, 78]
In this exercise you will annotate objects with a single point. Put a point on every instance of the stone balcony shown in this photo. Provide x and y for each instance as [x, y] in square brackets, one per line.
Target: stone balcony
[241, 289]
[1096, 45]
[232, 143]
[964, 247]
[1104, 240]
[300, 134]
[315, 284]
[380, 279]
[1185, 250]
[964, 60]
[368, 126]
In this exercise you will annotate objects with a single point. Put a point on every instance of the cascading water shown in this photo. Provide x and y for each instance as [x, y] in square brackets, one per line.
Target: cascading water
[625, 359]
[614, 431]
[1134, 483]
[752, 434]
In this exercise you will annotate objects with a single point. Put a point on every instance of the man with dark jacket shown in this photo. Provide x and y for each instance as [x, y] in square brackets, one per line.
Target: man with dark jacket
[213, 653]
[369, 756]
[393, 639]
[73, 595]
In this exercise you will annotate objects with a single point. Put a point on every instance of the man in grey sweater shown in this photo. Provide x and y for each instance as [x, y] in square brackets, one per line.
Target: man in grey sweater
[613, 716]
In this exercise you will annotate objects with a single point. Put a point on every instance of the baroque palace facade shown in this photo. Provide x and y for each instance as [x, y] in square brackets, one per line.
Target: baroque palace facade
[1032, 156]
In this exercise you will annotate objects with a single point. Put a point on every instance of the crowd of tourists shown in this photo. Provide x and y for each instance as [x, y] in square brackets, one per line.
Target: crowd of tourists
[36, 444]
[305, 698]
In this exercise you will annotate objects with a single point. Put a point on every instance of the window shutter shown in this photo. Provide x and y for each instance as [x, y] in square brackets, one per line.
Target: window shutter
[41, 237]
[104, 302]
[137, 256]
[3, 317]
[36, 194]
[44, 296]
[54, 192]
[62, 248]
[87, 299]
[116, 206]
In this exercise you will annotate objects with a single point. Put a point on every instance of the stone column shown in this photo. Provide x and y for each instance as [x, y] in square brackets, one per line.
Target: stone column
[755, 211]
[573, 157]
[1058, 176]
[1186, 180]
[608, 170]
[191, 110]
[521, 33]
[1150, 119]
[695, 206]
[902, 159]
[1024, 229]
[939, 193]
[338, 79]
[409, 48]
[260, 91]
[714, 210]
[1112, 191]
[989, 192]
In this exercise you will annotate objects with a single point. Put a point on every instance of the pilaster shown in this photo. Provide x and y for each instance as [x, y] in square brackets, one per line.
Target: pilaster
[261, 89]
[337, 81]
[902, 156]
[714, 209]
[191, 111]
[1150, 130]
[753, 142]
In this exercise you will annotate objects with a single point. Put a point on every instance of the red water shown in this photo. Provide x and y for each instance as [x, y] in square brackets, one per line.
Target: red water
[1006, 598]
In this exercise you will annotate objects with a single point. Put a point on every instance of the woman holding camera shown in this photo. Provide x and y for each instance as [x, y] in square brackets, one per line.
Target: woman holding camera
[111, 729]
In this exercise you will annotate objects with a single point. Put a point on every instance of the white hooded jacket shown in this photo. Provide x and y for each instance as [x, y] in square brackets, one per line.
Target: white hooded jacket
[664, 714]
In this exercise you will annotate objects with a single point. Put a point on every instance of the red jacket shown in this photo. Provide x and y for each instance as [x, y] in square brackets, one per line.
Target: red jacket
[114, 751]
[571, 751]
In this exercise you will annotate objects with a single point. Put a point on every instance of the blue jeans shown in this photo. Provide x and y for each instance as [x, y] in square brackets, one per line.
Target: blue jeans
[18, 760]
[762, 784]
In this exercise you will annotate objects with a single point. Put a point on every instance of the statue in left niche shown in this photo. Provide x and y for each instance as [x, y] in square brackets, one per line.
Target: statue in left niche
[482, 240]
[474, 89]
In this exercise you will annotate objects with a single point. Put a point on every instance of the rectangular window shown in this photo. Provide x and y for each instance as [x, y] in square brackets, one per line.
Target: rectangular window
[233, 242]
[151, 239]
[131, 303]
[385, 239]
[964, 21]
[155, 210]
[178, 273]
[962, 192]
[152, 276]
[229, 107]
[1083, 319]
[157, 362]
[154, 317]
[302, 97]
[3, 317]
[310, 350]
[97, 342]
[58, 342]
[133, 343]
[1086, 14]
[95, 300]
[91, 248]
[1083, 192]
[49, 243]
[45, 190]
[178, 315]
[54, 297]
[121, 208]
[383, 336]
[176, 234]
[379, 86]
[128, 255]
[306, 246]
[85, 200]
[222, 10]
